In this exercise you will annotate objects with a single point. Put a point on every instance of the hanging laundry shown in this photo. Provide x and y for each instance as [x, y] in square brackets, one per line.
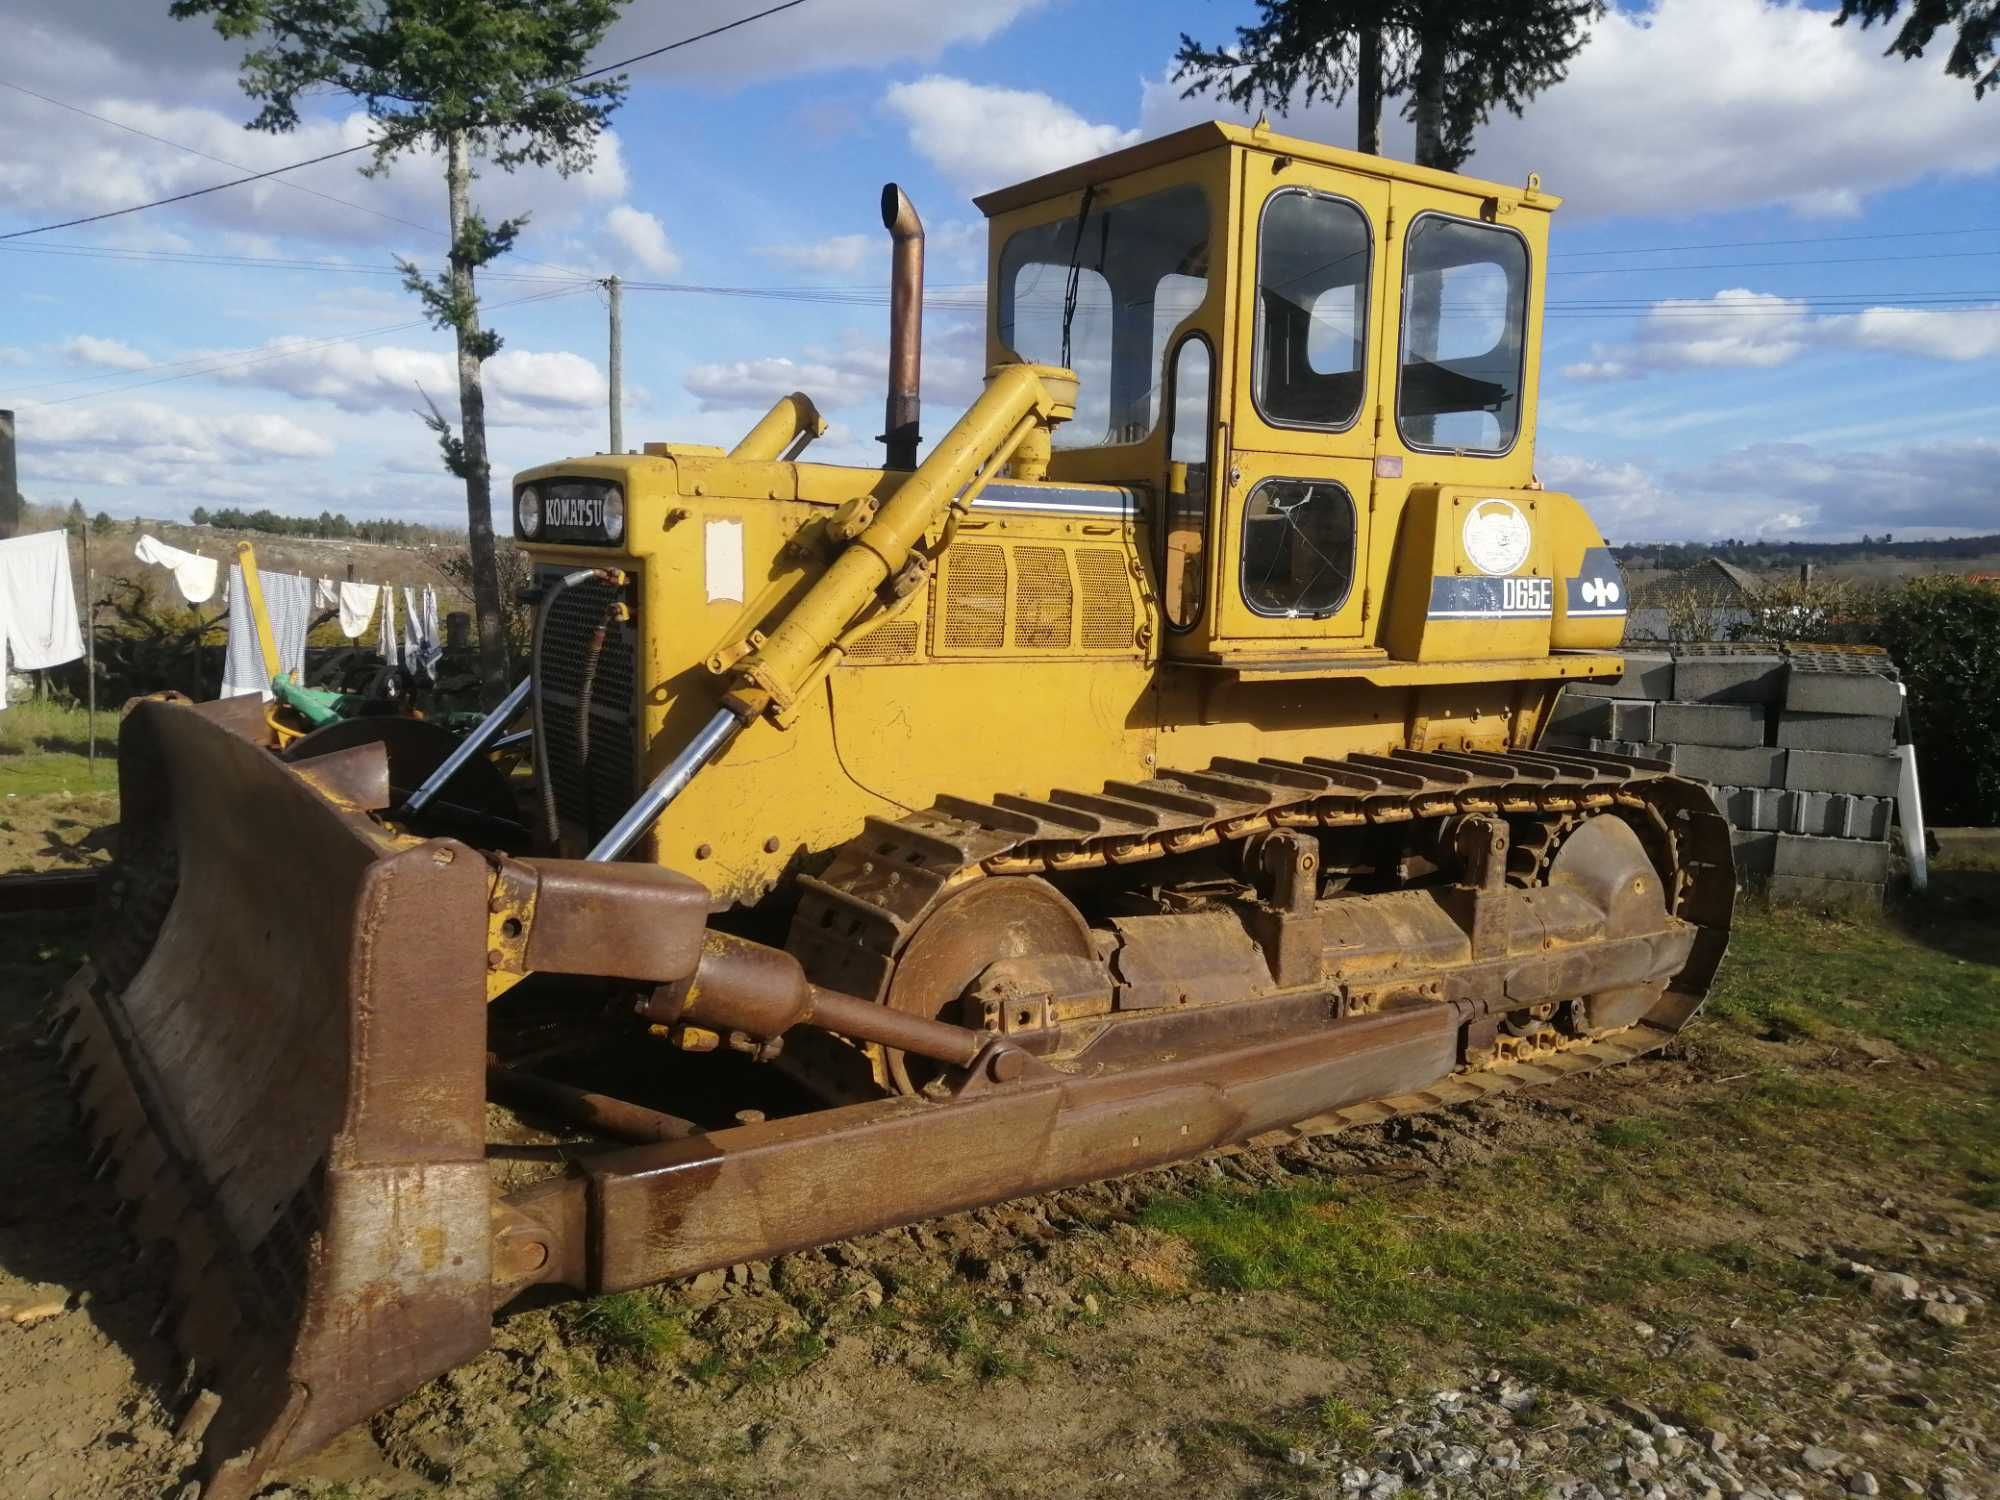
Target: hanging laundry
[357, 608]
[325, 596]
[433, 634]
[193, 574]
[425, 648]
[288, 602]
[38, 603]
[391, 657]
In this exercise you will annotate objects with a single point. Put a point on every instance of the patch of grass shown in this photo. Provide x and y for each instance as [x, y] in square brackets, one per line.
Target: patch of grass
[1638, 1133]
[1372, 1265]
[1344, 1424]
[1908, 980]
[629, 1325]
[789, 1356]
[550, 1474]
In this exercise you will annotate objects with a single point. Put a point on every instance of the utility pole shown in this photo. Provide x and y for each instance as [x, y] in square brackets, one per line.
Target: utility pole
[615, 288]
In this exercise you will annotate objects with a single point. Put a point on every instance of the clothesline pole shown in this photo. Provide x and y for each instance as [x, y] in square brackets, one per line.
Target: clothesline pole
[90, 647]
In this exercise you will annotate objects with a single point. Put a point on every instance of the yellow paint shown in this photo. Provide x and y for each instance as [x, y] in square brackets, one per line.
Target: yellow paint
[897, 644]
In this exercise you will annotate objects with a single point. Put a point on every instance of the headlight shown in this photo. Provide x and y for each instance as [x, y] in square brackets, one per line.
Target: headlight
[614, 512]
[528, 511]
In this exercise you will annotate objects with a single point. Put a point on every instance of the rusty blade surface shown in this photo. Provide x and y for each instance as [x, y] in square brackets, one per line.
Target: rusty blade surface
[279, 1051]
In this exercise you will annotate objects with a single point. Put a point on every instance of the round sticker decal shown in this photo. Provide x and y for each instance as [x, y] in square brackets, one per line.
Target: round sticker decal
[1496, 536]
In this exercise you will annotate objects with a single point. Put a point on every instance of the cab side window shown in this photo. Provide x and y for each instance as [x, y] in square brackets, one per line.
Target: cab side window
[1184, 519]
[1312, 310]
[1465, 315]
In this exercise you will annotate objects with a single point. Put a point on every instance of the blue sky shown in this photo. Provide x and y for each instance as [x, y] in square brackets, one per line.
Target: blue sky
[1790, 381]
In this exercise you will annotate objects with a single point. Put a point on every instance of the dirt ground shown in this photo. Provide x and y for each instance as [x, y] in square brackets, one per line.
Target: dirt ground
[1762, 1263]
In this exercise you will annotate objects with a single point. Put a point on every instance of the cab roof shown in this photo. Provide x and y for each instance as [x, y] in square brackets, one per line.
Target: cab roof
[1207, 136]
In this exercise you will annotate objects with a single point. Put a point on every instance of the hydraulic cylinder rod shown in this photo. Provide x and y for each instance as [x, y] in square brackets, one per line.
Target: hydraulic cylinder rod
[480, 739]
[666, 786]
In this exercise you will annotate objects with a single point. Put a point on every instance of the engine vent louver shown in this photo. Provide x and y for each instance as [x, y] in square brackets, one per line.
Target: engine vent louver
[1043, 598]
[975, 597]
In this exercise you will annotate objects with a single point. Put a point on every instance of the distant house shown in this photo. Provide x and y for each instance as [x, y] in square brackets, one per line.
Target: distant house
[1702, 602]
[1710, 581]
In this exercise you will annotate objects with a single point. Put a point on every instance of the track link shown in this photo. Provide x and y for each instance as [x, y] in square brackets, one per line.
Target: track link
[855, 916]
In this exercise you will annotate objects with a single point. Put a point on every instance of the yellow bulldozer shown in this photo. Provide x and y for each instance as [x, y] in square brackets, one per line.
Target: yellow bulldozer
[1151, 767]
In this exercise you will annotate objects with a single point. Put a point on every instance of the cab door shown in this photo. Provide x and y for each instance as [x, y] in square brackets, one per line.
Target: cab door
[1293, 536]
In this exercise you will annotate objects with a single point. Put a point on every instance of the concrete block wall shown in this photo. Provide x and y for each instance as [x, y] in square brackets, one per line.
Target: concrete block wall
[1797, 744]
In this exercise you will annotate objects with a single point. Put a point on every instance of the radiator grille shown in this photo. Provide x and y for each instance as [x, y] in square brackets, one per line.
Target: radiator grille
[594, 775]
[975, 591]
[1043, 597]
[1107, 599]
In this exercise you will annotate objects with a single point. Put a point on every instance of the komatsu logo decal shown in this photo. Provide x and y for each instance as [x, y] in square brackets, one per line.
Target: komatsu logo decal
[574, 510]
[1460, 598]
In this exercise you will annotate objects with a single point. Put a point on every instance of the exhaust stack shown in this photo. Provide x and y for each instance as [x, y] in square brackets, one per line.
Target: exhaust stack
[906, 326]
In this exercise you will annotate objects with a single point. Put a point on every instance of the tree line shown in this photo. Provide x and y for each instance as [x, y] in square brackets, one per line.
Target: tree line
[326, 526]
[1766, 556]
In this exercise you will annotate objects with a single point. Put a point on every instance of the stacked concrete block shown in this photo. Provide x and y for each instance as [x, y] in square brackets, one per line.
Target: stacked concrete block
[1797, 743]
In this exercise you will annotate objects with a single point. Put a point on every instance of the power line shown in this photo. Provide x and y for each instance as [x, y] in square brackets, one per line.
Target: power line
[261, 262]
[313, 161]
[1818, 239]
[687, 41]
[297, 187]
[115, 213]
[1816, 260]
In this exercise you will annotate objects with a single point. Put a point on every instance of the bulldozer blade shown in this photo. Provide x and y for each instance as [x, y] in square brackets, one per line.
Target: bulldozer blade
[278, 1050]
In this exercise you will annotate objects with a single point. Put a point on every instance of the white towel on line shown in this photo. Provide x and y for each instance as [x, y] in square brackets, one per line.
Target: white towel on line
[38, 601]
[357, 608]
[288, 601]
[325, 596]
[38, 622]
[193, 574]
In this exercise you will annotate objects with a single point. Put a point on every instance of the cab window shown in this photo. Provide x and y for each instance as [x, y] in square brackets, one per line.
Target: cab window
[1184, 528]
[1312, 310]
[1298, 547]
[1138, 270]
[1465, 314]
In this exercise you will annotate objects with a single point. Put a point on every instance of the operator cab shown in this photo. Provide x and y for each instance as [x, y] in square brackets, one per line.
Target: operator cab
[1285, 343]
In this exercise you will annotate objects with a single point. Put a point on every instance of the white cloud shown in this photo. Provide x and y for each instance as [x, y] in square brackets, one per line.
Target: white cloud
[752, 384]
[1695, 106]
[13, 357]
[644, 238]
[981, 136]
[852, 376]
[59, 166]
[109, 354]
[1958, 334]
[142, 433]
[839, 252]
[1792, 488]
[524, 388]
[1746, 330]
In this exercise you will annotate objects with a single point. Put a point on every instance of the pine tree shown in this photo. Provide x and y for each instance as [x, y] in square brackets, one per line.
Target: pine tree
[463, 78]
[1976, 52]
[1455, 60]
